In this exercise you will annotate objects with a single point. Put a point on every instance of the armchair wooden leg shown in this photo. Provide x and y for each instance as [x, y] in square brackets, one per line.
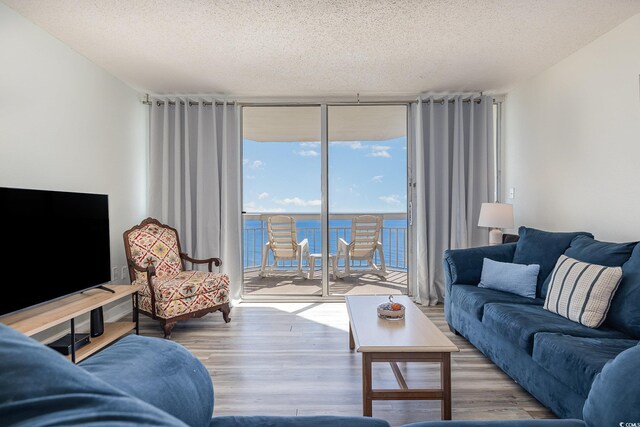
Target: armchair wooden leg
[167, 327]
[225, 309]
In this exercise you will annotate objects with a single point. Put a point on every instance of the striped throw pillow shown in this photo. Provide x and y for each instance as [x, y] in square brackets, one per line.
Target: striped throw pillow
[582, 292]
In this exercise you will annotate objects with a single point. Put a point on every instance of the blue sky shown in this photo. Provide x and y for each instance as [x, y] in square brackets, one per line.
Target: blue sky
[364, 176]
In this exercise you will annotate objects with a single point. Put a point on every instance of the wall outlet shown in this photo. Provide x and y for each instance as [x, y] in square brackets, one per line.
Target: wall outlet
[512, 193]
[125, 272]
[114, 274]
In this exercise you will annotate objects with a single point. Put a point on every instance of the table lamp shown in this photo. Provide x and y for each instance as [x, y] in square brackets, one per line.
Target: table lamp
[496, 216]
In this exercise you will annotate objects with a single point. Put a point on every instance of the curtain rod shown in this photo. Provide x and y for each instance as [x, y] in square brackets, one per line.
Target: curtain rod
[440, 101]
[451, 101]
[148, 101]
[191, 103]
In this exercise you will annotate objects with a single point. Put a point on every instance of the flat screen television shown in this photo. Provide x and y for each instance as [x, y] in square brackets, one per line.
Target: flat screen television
[52, 244]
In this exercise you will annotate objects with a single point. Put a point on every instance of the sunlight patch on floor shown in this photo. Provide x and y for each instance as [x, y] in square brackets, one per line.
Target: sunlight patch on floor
[323, 313]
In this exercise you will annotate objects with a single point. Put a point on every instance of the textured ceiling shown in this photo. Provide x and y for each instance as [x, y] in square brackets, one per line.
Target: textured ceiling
[325, 47]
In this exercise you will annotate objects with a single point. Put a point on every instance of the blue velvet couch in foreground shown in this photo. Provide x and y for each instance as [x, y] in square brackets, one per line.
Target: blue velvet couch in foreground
[555, 359]
[136, 381]
[154, 382]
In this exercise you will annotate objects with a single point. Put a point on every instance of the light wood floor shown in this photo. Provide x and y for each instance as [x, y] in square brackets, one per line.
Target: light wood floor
[286, 283]
[294, 359]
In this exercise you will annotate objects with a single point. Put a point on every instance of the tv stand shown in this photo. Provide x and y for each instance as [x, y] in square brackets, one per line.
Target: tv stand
[48, 315]
[104, 288]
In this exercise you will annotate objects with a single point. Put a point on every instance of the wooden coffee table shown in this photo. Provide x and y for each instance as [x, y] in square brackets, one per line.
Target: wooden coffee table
[414, 339]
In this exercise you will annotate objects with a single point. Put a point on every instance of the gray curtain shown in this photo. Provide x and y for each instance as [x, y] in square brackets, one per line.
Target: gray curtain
[194, 178]
[454, 176]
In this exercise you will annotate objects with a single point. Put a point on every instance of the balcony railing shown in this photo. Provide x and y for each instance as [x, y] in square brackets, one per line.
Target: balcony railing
[393, 237]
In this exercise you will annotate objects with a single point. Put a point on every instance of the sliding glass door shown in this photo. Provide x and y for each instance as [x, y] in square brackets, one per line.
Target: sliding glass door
[281, 200]
[368, 199]
[324, 200]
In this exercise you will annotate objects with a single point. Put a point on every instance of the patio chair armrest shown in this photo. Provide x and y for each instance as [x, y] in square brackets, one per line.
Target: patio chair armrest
[209, 261]
[303, 250]
[342, 246]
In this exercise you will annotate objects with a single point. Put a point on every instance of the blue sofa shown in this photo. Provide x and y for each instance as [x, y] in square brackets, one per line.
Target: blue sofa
[154, 382]
[553, 358]
[136, 381]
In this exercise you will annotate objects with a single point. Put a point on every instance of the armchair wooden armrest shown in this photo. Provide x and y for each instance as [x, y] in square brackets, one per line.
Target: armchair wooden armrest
[150, 270]
[209, 261]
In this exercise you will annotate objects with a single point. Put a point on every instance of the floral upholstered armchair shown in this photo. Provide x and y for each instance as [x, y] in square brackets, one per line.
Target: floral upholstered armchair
[169, 292]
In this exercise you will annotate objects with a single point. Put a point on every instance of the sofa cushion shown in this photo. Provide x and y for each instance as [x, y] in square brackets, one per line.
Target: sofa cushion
[519, 323]
[575, 360]
[39, 387]
[613, 398]
[586, 249]
[542, 248]
[624, 313]
[143, 366]
[472, 299]
[178, 307]
[509, 277]
[582, 292]
[186, 284]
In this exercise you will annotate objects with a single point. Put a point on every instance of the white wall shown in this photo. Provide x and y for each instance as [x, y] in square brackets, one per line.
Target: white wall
[572, 141]
[66, 124]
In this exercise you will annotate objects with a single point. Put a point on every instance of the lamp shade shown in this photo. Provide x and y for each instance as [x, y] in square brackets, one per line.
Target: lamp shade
[497, 215]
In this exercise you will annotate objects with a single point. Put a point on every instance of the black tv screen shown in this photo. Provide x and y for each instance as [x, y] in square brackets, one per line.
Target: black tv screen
[53, 244]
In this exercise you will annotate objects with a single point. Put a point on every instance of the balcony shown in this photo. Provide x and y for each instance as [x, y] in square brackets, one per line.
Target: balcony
[285, 282]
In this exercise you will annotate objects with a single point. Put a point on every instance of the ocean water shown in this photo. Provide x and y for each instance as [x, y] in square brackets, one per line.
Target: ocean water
[393, 239]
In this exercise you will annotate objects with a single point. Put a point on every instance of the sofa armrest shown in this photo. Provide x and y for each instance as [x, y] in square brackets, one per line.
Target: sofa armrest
[159, 372]
[296, 421]
[464, 266]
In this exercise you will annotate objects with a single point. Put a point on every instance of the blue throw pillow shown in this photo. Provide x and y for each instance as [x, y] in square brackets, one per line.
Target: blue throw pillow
[507, 277]
[542, 248]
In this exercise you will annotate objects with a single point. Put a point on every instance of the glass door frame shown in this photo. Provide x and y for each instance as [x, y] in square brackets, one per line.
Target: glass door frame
[324, 186]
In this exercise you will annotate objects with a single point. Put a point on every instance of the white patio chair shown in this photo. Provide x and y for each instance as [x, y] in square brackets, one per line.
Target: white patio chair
[283, 244]
[365, 234]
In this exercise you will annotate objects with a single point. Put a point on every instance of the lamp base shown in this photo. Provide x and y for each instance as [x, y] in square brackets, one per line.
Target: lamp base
[495, 236]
